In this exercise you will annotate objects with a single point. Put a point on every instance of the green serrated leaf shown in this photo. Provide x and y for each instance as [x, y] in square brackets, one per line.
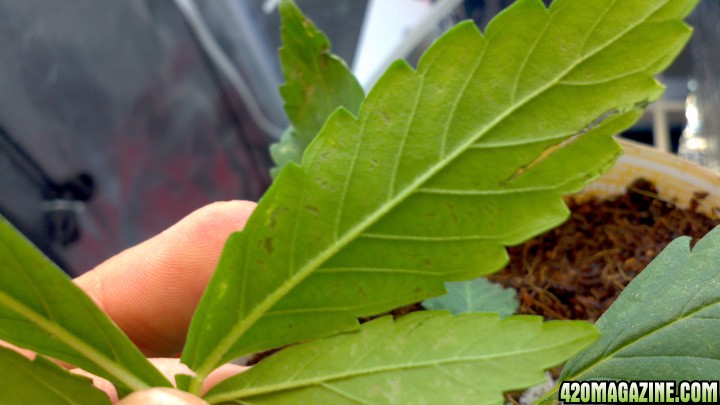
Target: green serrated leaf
[478, 295]
[424, 357]
[443, 167]
[42, 310]
[317, 83]
[40, 381]
[665, 324]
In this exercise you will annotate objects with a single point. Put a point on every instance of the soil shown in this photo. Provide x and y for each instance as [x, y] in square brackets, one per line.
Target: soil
[577, 270]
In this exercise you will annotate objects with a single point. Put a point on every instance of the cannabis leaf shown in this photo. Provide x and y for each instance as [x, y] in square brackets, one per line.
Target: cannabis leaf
[443, 167]
[665, 324]
[318, 83]
[42, 382]
[42, 310]
[425, 357]
[478, 295]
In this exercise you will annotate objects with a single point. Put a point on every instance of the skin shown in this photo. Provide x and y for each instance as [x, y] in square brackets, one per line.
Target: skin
[151, 291]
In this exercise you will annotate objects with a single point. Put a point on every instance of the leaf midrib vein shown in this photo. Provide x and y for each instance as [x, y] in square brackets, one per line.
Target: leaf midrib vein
[113, 368]
[610, 355]
[401, 365]
[51, 315]
[11, 253]
[222, 348]
[668, 356]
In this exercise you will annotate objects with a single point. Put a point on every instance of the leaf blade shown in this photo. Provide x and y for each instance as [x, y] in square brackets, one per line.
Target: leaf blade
[478, 295]
[42, 310]
[317, 83]
[366, 181]
[395, 357]
[43, 382]
[669, 336]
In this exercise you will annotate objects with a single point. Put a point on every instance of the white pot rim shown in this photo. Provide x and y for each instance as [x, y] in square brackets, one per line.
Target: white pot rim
[676, 179]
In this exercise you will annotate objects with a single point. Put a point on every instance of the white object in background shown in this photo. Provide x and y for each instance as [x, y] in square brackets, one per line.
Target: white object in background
[700, 142]
[696, 143]
[659, 111]
[676, 179]
[270, 5]
[387, 24]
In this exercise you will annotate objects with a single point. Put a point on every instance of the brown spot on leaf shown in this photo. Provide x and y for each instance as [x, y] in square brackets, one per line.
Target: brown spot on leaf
[313, 210]
[268, 245]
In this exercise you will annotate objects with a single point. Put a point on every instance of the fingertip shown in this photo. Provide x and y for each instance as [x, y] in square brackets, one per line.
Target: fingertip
[221, 374]
[218, 219]
[161, 396]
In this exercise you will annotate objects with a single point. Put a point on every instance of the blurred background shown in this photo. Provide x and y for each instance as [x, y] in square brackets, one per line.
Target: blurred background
[119, 117]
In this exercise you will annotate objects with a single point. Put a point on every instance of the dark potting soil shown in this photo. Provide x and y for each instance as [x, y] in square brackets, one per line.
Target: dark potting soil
[576, 271]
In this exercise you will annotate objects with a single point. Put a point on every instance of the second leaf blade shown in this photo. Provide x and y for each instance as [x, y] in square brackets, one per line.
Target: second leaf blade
[424, 357]
[664, 326]
[42, 310]
[41, 381]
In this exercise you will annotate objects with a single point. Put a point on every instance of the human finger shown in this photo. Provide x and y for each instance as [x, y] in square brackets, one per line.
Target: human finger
[151, 290]
[169, 367]
[161, 396]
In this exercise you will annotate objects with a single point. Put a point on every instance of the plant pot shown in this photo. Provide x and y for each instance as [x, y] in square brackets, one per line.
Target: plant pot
[676, 179]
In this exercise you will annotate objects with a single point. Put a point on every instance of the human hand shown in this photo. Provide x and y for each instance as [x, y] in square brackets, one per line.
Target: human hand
[161, 396]
[151, 291]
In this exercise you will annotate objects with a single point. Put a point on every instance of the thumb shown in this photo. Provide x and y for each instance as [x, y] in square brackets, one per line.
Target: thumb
[152, 290]
[161, 396]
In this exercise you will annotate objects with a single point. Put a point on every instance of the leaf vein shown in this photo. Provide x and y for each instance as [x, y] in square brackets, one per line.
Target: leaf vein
[331, 270]
[421, 238]
[474, 192]
[603, 15]
[485, 357]
[111, 367]
[456, 102]
[406, 133]
[614, 353]
[344, 394]
[622, 75]
[528, 55]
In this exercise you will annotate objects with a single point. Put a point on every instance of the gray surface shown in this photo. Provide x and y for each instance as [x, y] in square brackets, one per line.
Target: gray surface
[121, 91]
